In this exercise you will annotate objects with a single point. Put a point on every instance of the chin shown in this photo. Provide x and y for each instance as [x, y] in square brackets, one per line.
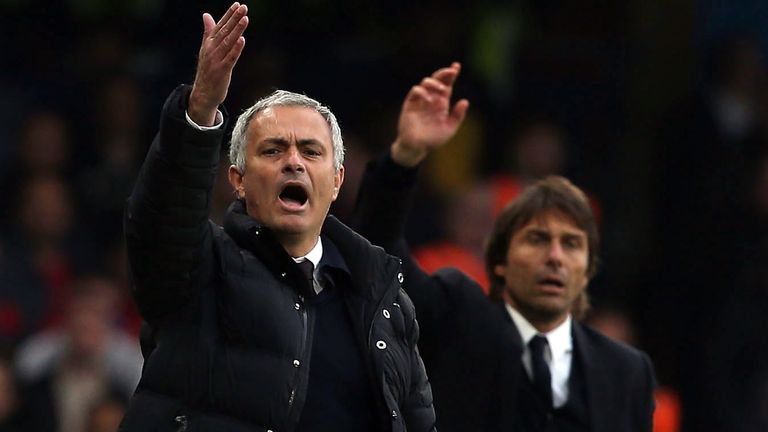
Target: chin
[547, 310]
[292, 224]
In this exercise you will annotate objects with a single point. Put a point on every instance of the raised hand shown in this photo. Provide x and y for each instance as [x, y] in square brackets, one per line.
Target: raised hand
[427, 120]
[222, 45]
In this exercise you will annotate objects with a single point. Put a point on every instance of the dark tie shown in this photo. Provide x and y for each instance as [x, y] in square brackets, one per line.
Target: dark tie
[307, 268]
[542, 380]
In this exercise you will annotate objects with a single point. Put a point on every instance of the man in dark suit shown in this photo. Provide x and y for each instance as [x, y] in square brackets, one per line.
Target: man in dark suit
[517, 360]
[283, 319]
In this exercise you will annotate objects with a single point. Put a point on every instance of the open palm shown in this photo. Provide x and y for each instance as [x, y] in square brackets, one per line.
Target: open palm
[427, 120]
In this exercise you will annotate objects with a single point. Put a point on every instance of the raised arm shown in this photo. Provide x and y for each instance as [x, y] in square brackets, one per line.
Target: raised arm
[427, 121]
[166, 220]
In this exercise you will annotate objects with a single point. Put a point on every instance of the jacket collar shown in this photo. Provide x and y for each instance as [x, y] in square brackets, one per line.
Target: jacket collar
[369, 266]
[251, 235]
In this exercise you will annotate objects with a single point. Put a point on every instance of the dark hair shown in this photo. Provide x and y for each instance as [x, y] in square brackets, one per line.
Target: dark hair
[551, 193]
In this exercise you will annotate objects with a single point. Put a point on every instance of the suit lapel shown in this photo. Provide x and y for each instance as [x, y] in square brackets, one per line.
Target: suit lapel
[510, 370]
[596, 381]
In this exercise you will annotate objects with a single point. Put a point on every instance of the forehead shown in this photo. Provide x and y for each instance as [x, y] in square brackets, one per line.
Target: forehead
[289, 123]
[554, 222]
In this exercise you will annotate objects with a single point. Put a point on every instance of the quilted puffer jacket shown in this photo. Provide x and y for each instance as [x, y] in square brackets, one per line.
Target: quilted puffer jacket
[228, 338]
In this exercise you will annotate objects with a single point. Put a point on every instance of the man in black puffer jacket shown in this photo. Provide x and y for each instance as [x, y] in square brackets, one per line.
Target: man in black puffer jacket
[284, 319]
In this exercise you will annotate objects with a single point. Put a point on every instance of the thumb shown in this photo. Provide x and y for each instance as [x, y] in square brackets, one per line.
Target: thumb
[459, 111]
[208, 24]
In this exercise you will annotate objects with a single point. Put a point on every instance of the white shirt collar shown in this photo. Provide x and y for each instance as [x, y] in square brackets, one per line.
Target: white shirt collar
[559, 339]
[314, 256]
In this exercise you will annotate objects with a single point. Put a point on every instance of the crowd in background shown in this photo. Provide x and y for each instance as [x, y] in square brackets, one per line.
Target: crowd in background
[671, 146]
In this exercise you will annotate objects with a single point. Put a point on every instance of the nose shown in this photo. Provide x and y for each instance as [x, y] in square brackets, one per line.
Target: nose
[293, 161]
[555, 255]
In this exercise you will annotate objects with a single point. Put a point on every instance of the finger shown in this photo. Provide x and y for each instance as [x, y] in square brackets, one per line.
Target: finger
[227, 15]
[231, 24]
[234, 54]
[435, 86]
[448, 75]
[459, 111]
[230, 40]
[208, 25]
[417, 94]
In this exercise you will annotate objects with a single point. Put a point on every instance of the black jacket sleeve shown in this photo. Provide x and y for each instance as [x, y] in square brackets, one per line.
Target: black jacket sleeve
[381, 211]
[167, 232]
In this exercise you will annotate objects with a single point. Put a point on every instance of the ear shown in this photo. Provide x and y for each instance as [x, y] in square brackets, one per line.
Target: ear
[236, 180]
[338, 179]
[499, 270]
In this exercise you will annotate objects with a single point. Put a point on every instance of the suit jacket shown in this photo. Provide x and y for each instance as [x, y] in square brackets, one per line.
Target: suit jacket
[470, 345]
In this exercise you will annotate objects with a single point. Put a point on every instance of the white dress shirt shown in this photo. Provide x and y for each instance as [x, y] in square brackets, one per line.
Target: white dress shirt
[314, 257]
[558, 353]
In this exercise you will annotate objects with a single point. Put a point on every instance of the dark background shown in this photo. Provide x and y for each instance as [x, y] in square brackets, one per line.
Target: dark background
[661, 106]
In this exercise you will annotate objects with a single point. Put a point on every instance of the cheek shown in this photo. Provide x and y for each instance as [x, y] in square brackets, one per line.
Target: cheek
[580, 275]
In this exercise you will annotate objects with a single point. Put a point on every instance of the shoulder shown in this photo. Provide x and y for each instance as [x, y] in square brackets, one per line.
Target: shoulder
[468, 304]
[461, 288]
[627, 359]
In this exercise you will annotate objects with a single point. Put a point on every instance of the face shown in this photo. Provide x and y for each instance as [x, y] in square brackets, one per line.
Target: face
[546, 269]
[290, 179]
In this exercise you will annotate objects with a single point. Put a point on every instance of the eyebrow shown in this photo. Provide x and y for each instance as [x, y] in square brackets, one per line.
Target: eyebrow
[284, 142]
[548, 233]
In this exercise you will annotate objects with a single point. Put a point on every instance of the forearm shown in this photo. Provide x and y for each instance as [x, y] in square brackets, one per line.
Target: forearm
[166, 219]
[381, 213]
[383, 202]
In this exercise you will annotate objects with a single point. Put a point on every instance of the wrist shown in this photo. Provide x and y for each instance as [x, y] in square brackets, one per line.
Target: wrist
[405, 155]
[201, 112]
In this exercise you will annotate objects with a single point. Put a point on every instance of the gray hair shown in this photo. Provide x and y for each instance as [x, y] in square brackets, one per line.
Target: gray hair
[238, 143]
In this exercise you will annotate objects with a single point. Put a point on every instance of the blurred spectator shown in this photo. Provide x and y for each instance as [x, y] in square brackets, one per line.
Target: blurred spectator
[42, 255]
[537, 150]
[355, 158]
[42, 147]
[64, 373]
[468, 218]
[119, 142]
[613, 323]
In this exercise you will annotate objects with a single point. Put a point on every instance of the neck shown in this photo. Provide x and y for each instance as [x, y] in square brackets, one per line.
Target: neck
[298, 246]
[546, 326]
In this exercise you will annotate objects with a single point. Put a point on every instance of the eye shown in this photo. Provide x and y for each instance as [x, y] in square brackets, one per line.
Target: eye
[311, 152]
[270, 151]
[536, 238]
[572, 243]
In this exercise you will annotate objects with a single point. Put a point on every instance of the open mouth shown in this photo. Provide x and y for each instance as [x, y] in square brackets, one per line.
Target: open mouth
[551, 281]
[294, 195]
